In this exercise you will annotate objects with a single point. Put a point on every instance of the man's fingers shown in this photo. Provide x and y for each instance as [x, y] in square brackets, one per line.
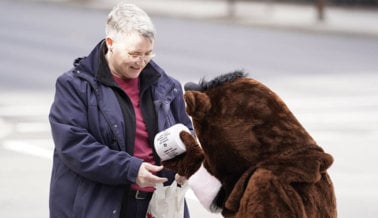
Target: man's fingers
[155, 179]
[147, 178]
[151, 180]
[153, 168]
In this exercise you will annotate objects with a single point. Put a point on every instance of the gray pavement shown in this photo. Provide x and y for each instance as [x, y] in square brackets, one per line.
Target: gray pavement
[268, 14]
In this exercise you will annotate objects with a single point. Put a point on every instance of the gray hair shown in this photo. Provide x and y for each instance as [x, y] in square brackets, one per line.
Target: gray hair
[126, 18]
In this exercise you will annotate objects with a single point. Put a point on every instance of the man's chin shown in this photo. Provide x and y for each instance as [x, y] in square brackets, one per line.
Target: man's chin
[134, 73]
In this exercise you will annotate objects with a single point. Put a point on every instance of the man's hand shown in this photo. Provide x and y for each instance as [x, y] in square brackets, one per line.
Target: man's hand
[146, 178]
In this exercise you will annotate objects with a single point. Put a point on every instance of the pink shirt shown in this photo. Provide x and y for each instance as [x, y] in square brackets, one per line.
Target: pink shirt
[142, 148]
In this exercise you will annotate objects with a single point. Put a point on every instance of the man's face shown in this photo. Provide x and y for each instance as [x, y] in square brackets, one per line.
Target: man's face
[128, 54]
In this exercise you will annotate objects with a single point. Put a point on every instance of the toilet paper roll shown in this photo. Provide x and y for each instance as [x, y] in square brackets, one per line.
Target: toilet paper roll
[168, 143]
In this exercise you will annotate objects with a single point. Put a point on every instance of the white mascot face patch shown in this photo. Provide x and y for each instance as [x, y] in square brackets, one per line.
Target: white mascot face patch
[206, 187]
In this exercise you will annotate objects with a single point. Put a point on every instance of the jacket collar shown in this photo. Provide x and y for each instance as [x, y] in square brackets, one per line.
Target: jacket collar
[103, 73]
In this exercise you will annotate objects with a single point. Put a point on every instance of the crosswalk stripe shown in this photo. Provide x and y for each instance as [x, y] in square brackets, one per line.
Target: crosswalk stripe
[28, 148]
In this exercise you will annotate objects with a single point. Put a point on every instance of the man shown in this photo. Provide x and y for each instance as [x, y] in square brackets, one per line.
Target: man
[105, 114]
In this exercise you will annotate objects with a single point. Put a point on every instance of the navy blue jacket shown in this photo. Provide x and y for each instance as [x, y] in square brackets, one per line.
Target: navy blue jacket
[91, 165]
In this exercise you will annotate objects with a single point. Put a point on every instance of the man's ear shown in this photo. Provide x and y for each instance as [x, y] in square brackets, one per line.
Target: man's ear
[109, 42]
[197, 104]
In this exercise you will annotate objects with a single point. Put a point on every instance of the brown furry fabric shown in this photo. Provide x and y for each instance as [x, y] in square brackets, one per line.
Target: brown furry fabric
[268, 164]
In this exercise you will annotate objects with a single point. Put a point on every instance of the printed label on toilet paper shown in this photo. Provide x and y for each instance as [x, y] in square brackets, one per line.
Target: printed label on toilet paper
[168, 143]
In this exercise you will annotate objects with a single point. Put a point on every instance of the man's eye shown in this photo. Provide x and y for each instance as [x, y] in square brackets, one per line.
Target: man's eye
[134, 55]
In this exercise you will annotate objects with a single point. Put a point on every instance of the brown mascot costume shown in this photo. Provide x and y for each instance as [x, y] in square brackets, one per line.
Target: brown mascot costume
[266, 162]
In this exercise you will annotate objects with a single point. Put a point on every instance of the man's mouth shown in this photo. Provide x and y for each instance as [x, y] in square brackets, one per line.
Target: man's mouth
[136, 68]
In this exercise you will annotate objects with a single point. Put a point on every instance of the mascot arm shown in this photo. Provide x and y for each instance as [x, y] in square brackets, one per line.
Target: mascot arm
[189, 162]
[266, 196]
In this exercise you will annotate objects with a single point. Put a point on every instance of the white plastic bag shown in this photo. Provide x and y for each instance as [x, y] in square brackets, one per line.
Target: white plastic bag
[167, 201]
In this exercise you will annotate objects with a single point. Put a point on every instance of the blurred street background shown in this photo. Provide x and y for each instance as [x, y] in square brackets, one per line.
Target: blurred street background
[320, 56]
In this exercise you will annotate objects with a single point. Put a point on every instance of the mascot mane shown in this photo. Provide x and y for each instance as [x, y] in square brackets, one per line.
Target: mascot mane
[217, 81]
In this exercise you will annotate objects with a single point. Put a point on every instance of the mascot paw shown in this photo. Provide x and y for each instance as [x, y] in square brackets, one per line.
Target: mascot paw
[189, 162]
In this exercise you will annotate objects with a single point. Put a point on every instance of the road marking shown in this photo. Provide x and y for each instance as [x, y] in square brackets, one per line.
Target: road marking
[32, 127]
[28, 110]
[5, 129]
[28, 148]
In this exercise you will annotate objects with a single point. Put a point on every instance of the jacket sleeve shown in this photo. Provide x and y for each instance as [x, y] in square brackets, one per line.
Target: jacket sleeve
[76, 147]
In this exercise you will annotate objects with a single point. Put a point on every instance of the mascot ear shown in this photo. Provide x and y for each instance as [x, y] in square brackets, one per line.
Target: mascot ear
[197, 104]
